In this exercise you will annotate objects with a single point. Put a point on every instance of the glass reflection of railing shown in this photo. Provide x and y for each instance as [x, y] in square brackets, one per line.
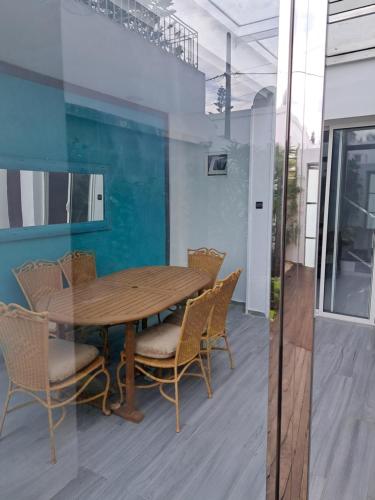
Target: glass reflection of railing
[162, 28]
[358, 207]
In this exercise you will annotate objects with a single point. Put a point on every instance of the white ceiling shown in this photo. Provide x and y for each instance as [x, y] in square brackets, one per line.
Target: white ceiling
[243, 12]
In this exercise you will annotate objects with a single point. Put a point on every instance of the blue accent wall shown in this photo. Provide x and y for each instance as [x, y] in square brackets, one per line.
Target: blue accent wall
[37, 124]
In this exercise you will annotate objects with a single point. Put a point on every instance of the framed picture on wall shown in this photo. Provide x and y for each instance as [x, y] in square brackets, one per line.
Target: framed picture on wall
[217, 164]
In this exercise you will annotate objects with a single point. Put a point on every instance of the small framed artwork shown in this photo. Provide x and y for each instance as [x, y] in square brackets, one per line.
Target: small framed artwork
[217, 164]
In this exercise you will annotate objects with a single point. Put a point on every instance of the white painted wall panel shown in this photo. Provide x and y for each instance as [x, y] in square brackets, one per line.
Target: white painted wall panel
[351, 35]
[336, 7]
[350, 90]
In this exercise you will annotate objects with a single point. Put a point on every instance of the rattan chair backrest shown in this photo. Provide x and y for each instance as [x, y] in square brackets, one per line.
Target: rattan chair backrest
[24, 343]
[206, 259]
[194, 324]
[218, 316]
[78, 267]
[38, 279]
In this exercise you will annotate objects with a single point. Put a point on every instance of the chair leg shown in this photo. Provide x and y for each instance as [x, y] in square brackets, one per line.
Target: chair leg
[208, 354]
[229, 352]
[119, 382]
[51, 431]
[105, 337]
[177, 402]
[159, 319]
[5, 408]
[208, 385]
[105, 395]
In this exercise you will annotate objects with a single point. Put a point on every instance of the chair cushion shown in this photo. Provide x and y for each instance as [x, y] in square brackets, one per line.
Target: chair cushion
[158, 341]
[67, 358]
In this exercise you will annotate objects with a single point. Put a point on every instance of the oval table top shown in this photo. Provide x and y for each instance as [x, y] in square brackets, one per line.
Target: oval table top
[125, 296]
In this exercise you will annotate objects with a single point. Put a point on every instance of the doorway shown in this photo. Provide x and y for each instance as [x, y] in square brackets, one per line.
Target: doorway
[346, 281]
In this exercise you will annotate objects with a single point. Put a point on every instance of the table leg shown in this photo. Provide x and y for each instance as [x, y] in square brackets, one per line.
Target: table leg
[129, 411]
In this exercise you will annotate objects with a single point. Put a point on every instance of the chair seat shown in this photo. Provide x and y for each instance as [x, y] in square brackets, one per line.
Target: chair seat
[158, 341]
[67, 358]
[155, 362]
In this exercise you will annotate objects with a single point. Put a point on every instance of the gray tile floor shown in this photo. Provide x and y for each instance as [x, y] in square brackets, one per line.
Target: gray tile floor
[343, 415]
[219, 454]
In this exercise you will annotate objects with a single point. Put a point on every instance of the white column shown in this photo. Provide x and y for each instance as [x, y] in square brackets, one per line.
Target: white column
[262, 138]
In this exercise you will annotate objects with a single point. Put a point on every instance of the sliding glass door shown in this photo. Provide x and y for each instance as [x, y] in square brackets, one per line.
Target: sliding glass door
[347, 279]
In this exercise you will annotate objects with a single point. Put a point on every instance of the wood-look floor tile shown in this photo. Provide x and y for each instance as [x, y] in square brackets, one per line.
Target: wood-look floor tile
[220, 452]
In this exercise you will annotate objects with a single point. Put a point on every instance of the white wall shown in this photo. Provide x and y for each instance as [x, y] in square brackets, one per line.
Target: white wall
[30, 35]
[210, 211]
[351, 31]
[260, 190]
[350, 72]
[69, 41]
[350, 90]
[101, 55]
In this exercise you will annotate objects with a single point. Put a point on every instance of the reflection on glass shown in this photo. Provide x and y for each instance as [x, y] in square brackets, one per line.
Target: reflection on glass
[177, 99]
[37, 198]
[351, 224]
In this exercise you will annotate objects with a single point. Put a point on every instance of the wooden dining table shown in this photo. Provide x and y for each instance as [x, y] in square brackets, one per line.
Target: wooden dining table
[125, 298]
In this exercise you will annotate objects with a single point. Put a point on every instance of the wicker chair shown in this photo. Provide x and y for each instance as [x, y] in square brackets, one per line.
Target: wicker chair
[216, 328]
[37, 281]
[202, 259]
[173, 348]
[79, 267]
[208, 260]
[43, 367]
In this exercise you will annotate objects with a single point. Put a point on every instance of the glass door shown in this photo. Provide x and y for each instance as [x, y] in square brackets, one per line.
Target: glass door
[350, 223]
[138, 138]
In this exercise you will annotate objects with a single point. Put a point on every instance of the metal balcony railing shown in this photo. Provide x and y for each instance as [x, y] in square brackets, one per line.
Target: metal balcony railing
[160, 28]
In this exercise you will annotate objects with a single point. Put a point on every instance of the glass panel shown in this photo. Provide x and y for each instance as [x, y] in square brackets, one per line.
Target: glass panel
[152, 122]
[349, 259]
[361, 137]
[342, 432]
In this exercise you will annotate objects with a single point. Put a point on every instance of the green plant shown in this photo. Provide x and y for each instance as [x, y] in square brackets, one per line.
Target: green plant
[293, 191]
[221, 96]
[275, 296]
